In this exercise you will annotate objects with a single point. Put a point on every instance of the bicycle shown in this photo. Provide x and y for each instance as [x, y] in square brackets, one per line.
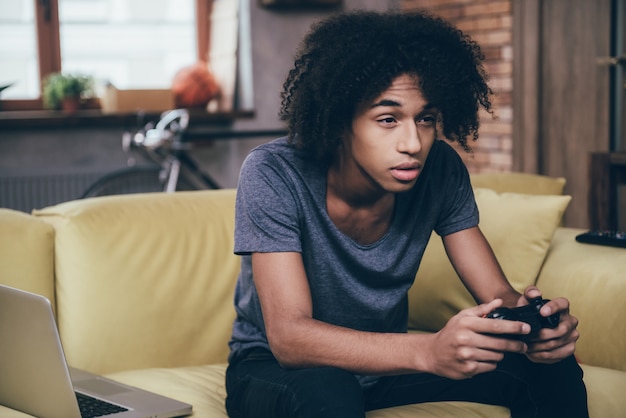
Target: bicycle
[162, 144]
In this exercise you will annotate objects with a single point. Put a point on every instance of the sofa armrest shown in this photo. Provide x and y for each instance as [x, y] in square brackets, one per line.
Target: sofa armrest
[27, 253]
[592, 278]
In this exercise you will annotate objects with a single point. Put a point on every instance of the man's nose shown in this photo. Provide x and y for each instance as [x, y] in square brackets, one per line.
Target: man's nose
[411, 142]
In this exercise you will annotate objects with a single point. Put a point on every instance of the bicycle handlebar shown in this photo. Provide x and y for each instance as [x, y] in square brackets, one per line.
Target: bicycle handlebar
[167, 118]
[172, 123]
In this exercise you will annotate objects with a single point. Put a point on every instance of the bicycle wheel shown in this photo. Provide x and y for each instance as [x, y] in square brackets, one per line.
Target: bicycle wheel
[132, 180]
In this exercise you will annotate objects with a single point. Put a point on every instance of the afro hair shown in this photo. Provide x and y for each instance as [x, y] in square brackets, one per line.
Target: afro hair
[351, 58]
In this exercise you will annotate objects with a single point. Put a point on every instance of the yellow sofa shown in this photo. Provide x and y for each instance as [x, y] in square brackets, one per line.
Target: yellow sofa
[142, 287]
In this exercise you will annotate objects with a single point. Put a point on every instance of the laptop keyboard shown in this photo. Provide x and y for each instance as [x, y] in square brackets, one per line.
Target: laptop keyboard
[92, 407]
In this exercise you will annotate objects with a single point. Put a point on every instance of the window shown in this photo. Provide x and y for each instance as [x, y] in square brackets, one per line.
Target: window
[18, 48]
[130, 43]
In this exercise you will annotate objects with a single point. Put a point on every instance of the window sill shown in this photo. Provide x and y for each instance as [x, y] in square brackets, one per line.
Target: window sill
[45, 119]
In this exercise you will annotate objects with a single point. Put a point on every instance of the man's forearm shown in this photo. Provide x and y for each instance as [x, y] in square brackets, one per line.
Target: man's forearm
[310, 343]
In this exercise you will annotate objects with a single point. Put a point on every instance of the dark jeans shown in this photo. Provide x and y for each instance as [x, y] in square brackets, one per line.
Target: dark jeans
[259, 387]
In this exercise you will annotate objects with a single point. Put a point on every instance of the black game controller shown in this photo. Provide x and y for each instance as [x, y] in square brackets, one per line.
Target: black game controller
[529, 314]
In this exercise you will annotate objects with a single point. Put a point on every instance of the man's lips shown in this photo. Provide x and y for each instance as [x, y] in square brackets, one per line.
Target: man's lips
[406, 171]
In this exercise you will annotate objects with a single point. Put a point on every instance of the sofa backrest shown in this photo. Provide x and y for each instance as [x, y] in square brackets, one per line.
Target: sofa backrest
[148, 280]
[26, 253]
[525, 183]
[145, 280]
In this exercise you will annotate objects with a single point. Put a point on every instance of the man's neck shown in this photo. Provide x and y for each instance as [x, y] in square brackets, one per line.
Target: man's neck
[362, 213]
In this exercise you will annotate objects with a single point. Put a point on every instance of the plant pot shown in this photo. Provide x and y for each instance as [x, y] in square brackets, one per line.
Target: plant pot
[71, 104]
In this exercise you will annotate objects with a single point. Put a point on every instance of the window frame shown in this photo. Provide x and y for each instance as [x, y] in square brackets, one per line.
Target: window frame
[49, 45]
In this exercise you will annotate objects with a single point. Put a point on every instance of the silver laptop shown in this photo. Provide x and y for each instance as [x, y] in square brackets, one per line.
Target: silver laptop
[36, 379]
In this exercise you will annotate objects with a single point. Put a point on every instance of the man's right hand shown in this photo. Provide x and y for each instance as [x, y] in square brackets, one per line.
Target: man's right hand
[468, 345]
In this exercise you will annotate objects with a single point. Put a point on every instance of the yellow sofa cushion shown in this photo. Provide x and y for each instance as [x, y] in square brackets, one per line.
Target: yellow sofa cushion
[145, 280]
[587, 276]
[201, 386]
[605, 391]
[519, 228]
[524, 183]
[26, 253]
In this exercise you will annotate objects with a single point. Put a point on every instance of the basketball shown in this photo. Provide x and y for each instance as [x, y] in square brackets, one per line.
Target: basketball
[194, 86]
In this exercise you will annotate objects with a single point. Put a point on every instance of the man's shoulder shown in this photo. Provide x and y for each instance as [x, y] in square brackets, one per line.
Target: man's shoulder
[267, 154]
[443, 161]
[442, 148]
[278, 164]
[282, 154]
[280, 145]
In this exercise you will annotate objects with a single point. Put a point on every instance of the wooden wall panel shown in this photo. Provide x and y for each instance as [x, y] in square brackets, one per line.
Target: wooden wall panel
[574, 94]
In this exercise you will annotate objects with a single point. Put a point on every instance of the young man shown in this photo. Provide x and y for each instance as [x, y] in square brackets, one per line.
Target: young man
[332, 223]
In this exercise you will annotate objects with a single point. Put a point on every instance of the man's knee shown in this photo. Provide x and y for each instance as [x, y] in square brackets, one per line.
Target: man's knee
[549, 389]
[325, 392]
[298, 393]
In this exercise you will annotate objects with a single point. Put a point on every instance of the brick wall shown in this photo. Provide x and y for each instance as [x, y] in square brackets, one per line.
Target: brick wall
[488, 22]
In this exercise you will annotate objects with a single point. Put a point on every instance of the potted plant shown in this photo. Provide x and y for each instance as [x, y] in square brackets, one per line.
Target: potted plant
[65, 91]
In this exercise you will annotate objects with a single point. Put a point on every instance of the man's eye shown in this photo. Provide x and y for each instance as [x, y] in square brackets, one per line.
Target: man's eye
[387, 121]
[427, 120]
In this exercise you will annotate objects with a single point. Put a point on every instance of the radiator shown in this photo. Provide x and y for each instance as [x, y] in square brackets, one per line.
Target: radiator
[25, 193]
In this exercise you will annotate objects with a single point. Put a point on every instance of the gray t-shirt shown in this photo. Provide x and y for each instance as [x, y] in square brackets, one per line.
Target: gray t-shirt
[281, 207]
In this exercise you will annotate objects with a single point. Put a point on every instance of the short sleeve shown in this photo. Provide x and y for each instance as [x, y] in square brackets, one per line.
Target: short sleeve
[266, 212]
[459, 210]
